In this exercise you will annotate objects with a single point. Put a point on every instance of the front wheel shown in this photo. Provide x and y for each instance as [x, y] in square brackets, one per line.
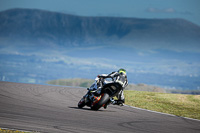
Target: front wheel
[103, 100]
[81, 103]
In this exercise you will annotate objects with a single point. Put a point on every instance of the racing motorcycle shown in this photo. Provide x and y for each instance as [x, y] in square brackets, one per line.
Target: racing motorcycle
[98, 97]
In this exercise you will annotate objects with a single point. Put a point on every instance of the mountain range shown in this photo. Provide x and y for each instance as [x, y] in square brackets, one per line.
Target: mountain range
[38, 45]
[44, 27]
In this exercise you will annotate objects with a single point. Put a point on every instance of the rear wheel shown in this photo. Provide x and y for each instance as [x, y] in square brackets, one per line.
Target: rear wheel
[99, 103]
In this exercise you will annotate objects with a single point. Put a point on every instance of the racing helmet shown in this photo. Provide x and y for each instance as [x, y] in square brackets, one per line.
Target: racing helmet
[122, 71]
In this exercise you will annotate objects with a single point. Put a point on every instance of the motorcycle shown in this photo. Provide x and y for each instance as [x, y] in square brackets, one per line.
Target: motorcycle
[98, 97]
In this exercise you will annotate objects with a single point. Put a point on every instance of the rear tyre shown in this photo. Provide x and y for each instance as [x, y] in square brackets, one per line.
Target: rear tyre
[81, 103]
[104, 99]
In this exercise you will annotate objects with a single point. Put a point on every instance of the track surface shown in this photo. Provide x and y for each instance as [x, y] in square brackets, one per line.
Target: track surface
[53, 109]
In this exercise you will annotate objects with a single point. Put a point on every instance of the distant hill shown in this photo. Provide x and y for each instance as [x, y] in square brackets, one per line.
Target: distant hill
[37, 46]
[77, 82]
[44, 27]
[86, 83]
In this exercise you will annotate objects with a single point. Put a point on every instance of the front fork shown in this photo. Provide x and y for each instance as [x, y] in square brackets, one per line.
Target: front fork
[89, 98]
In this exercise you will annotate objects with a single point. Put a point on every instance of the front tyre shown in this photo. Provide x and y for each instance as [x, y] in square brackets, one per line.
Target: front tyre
[104, 99]
[81, 103]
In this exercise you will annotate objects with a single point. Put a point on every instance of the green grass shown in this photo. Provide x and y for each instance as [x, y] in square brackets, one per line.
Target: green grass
[177, 104]
[88, 82]
[13, 131]
[150, 97]
[72, 82]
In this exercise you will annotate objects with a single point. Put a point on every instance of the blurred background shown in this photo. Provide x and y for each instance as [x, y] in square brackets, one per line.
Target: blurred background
[157, 41]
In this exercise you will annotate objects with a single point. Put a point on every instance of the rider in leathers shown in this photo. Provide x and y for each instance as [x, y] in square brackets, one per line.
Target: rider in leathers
[117, 76]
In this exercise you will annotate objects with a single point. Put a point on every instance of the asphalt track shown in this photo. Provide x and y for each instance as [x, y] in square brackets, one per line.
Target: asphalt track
[53, 109]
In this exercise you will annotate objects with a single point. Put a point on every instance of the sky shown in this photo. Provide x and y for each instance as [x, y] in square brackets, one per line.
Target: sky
[186, 9]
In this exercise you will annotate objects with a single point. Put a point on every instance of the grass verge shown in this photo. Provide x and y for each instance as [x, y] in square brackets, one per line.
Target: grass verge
[176, 104]
[72, 82]
[13, 131]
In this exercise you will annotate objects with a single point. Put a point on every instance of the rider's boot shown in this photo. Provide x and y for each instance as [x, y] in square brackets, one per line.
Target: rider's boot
[105, 106]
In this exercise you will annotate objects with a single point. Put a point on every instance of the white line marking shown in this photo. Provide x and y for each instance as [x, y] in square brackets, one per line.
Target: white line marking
[160, 112]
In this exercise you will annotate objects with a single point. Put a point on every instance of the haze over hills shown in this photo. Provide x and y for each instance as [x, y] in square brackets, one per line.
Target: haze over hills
[38, 45]
[42, 27]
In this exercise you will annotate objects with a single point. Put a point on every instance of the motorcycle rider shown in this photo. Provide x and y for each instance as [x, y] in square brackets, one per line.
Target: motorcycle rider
[117, 76]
